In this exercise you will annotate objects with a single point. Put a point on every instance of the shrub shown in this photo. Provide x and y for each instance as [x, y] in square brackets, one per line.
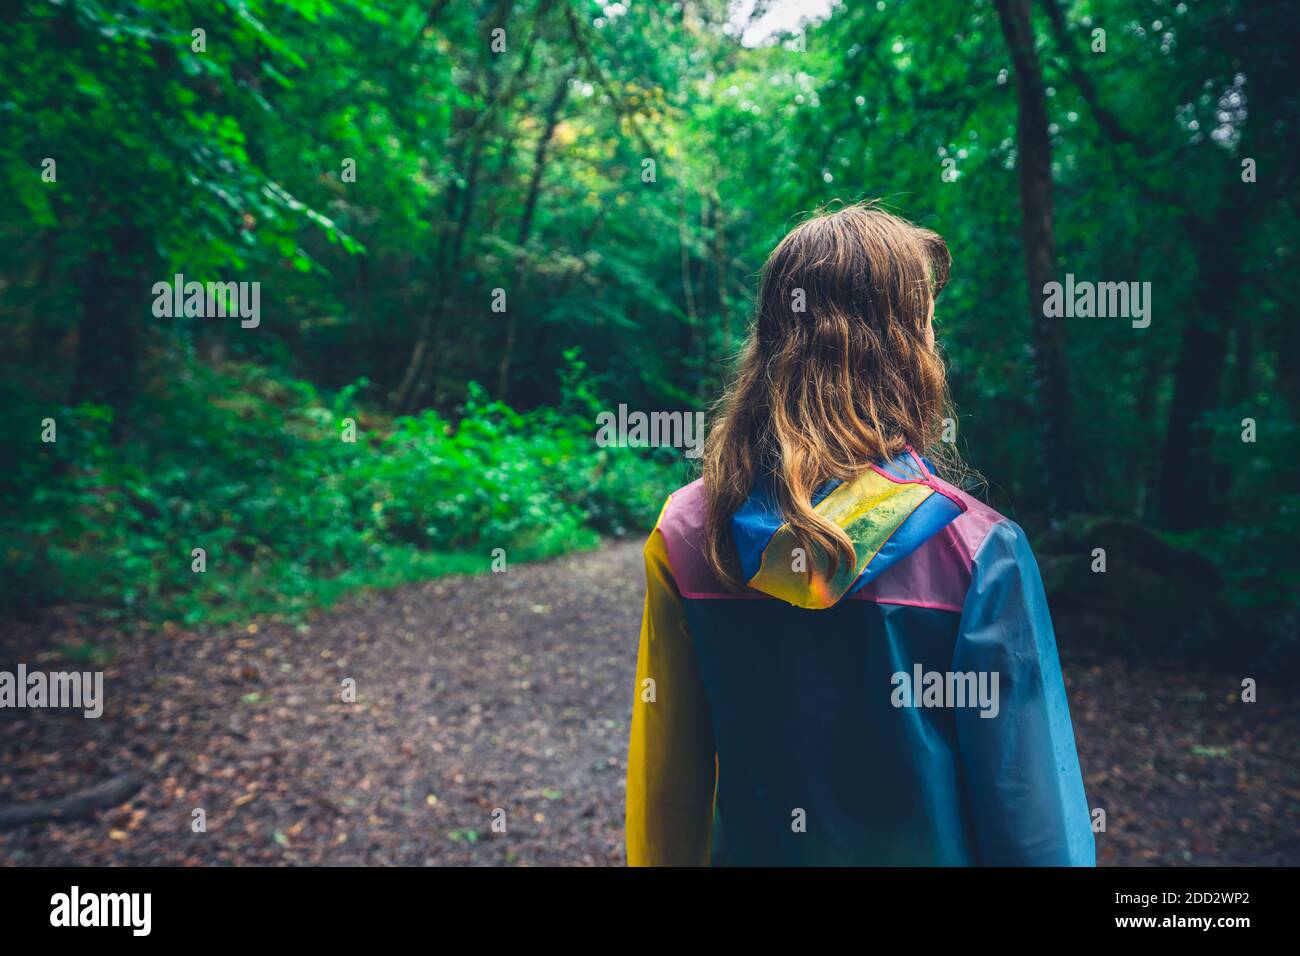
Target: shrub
[251, 467]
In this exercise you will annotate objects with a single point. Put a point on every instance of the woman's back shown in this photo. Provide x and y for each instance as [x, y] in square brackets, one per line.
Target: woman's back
[858, 672]
[825, 755]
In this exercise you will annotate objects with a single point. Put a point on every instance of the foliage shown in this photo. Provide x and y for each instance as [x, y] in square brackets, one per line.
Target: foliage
[254, 469]
[522, 172]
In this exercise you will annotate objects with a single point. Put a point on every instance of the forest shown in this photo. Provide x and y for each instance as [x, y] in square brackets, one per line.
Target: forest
[615, 174]
[449, 239]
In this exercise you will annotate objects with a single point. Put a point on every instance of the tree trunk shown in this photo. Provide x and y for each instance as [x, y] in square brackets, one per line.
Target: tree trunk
[525, 231]
[115, 299]
[444, 258]
[1188, 474]
[720, 276]
[1035, 168]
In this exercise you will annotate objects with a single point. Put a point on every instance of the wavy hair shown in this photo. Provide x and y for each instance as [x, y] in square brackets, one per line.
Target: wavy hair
[839, 370]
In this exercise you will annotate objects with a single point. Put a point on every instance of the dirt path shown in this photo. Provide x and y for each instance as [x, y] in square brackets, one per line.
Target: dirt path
[512, 691]
[507, 691]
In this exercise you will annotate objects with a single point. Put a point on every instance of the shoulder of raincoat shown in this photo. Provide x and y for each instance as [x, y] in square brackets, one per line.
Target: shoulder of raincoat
[907, 710]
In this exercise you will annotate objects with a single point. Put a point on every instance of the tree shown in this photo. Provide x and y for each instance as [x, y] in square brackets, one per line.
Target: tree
[1034, 161]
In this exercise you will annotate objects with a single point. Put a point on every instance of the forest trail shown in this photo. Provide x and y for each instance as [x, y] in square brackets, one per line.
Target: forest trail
[512, 691]
[508, 690]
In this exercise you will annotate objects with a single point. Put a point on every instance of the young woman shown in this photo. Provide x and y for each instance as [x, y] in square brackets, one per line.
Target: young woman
[844, 658]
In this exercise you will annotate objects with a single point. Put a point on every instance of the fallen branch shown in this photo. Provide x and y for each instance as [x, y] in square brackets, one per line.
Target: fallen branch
[73, 807]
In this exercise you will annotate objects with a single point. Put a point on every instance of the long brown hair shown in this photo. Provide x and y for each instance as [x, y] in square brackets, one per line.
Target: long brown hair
[838, 371]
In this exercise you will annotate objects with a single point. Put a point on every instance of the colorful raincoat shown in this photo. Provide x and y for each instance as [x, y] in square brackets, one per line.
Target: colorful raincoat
[907, 711]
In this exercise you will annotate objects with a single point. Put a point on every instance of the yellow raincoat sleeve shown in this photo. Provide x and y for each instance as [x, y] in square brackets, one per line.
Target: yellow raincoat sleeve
[670, 763]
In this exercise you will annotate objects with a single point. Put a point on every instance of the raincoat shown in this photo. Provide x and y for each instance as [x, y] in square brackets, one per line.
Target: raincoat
[909, 710]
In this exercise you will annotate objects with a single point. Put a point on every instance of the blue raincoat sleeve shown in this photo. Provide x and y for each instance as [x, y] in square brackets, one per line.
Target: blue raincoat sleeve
[1020, 768]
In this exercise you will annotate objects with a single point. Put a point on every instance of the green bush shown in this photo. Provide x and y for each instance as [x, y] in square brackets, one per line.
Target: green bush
[252, 467]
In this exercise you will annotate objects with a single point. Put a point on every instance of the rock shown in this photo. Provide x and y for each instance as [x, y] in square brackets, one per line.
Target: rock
[1153, 596]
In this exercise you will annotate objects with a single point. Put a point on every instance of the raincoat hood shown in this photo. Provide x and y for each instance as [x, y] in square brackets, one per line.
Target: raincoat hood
[887, 512]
